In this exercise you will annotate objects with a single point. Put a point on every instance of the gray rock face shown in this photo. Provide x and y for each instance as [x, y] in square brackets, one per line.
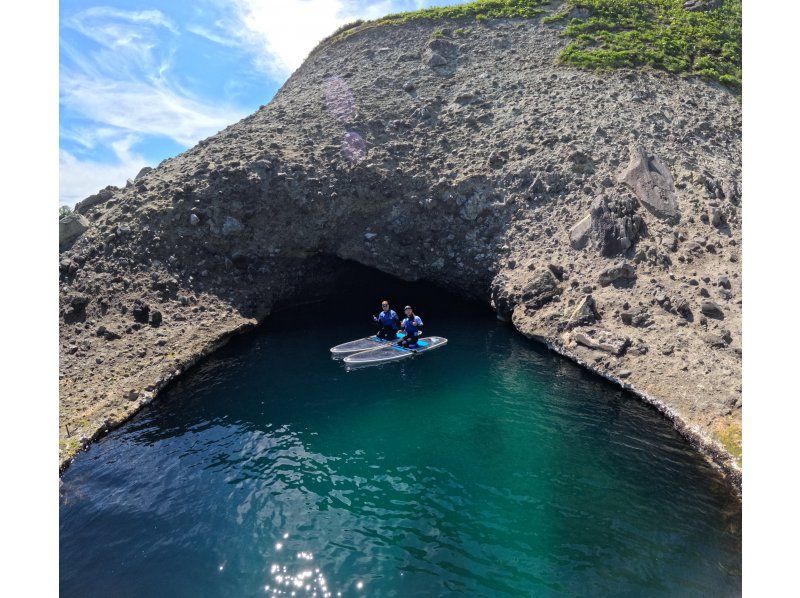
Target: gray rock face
[503, 297]
[614, 226]
[71, 227]
[541, 289]
[652, 182]
[617, 273]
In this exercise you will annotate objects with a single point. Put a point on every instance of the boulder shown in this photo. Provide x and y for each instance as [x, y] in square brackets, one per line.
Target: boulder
[434, 59]
[717, 218]
[144, 171]
[603, 341]
[141, 311]
[109, 335]
[241, 260]
[101, 196]
[557, 270]
[76, 304]
[684, 309]
[231, 226]
[194, 219]
[70, 227]
[579, 235]
[712, 310]
[541, 289]
[652, 183]
[617, 273]
[640, 318]
[715, 341]
[585, 312]
[614, 226]
[156, 318]
[443, 46]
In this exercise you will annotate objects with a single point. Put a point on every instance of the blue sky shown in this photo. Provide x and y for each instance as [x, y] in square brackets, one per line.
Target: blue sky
[142, 81]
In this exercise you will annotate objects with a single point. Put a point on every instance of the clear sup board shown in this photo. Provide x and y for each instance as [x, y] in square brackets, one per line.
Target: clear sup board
[362, 344]
[393, 352]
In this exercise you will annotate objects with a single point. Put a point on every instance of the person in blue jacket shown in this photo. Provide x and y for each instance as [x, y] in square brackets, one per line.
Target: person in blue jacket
[412, 326]
[388, 321]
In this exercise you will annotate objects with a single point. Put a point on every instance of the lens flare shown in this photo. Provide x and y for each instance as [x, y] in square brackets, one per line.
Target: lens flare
[354, 148]
[339, 99]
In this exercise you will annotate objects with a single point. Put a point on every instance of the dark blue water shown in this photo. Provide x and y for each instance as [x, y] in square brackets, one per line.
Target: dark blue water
[489, 467]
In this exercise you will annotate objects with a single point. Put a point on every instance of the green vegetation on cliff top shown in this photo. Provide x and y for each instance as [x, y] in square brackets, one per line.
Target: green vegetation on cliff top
[618, 33]
[656, 33]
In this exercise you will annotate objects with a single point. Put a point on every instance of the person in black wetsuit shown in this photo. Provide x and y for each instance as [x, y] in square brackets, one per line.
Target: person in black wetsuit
[412, 326]
[388, 321]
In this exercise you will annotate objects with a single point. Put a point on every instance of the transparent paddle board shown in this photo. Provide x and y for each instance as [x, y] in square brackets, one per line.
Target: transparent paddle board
[362, 344]
[393, 352]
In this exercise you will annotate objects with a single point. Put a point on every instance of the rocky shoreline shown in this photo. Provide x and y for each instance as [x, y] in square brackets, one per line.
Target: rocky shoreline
[599, 212]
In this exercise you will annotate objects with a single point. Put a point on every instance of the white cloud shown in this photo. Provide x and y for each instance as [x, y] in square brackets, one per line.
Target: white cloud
[79, 178]
[282, 34]
[125, 83]
[147, 107]
[124, 89]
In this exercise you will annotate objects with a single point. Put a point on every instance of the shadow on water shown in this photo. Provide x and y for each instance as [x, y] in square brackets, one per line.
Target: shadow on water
[488, 467]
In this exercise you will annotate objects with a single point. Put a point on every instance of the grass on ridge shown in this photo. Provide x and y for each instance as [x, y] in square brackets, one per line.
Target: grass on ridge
[656, 33]
[616, 33]
[479, 9]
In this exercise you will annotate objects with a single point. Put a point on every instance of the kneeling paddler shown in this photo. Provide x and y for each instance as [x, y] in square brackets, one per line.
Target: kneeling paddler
[412, 326]
[388, 321]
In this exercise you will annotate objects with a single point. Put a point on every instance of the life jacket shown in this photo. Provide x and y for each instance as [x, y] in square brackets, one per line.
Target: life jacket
[411, 325]
[388, 319]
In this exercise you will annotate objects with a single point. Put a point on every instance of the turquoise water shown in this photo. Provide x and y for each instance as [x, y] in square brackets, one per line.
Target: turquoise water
[489, 467]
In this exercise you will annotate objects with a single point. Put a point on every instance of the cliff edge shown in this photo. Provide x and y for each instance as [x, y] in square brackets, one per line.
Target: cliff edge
[597, 211]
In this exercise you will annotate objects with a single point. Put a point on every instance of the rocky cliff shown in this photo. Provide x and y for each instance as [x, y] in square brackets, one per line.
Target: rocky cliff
[598, 212]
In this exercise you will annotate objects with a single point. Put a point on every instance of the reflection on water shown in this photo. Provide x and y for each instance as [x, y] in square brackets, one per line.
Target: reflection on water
[489, 467]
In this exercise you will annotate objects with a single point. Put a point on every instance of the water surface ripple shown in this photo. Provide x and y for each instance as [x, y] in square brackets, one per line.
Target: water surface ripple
[488, 468]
